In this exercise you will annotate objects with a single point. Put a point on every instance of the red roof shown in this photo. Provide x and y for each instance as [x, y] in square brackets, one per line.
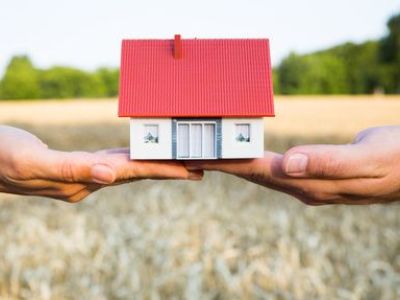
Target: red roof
[204, 78]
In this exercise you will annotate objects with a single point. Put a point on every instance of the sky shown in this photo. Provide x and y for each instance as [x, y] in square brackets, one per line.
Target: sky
[88, 33]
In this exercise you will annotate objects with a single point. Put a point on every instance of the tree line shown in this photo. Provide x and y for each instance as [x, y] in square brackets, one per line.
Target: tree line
[369, 67]
[22, 80]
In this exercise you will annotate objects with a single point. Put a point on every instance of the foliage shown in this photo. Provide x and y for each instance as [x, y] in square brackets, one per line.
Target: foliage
[389, 55]
[62, 82]
[23, 81]
[20, 80]
[321, 73]
[345, 69]
[110, 79]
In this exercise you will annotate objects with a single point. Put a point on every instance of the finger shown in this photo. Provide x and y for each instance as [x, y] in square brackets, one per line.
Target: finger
[331, 161]
[378, 188]
[108, 167]
[267, 171]
[75, 167]
[239, 167]
[31, 185]
[82, 194]
[71, 192]
[127, 169]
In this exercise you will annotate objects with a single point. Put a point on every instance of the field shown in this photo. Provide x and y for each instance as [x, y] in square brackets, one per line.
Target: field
[221, 238]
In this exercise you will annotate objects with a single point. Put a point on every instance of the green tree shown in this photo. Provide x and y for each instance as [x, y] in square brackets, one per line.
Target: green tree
[23, 81]
[325, 74]
[318, 73]
[389, 55]
[289, 73]
[110, 80]
[361, 64]
[64, 82]
[20, 80]
[276, 83]
[390, 45]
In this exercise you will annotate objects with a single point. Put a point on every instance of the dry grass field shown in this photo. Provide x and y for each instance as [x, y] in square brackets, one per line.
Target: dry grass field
[221, 238]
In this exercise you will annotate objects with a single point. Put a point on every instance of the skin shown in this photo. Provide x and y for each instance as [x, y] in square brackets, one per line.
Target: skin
[364, 172]
[29, 167]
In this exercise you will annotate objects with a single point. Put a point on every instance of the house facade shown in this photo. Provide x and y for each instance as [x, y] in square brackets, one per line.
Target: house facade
[195, 98]
[196, 138]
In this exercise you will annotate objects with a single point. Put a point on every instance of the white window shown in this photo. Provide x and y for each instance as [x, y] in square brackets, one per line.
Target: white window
[150, 133]
[183, 140]
[243, 133]
[196, 140]
[209, 140]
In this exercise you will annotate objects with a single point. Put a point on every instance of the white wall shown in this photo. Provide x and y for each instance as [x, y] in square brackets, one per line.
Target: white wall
[140, 149]
[163, 149]
[234, 149]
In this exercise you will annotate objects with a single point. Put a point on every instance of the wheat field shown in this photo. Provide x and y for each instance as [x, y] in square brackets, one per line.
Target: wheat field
[221, 238]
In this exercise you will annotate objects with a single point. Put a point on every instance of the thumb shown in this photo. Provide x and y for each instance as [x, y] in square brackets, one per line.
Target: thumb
[76, 167]
[329, 161]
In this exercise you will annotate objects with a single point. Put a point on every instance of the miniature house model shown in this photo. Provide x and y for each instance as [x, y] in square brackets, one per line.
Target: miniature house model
[196, 98]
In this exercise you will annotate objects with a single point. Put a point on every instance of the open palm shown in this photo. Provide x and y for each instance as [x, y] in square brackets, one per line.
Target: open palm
[28, 166]
[366, 171]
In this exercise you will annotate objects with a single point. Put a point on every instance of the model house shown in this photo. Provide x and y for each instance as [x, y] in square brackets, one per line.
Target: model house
[196, 98]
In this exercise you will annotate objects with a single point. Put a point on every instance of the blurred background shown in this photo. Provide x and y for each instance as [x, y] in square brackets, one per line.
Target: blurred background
[336, 72]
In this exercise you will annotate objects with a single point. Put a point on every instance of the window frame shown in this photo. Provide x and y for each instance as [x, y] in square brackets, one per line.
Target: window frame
[202, 123]
[246, 140]
[146, 132]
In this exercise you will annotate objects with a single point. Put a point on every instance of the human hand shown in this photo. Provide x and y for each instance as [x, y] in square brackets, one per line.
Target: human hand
[28, 167]
[367, 171]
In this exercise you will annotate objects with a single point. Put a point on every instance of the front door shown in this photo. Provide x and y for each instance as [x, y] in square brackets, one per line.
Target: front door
[196, 139]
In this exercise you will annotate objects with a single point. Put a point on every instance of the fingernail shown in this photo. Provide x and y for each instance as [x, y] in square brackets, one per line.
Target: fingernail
[195, 175]
[296, 164]
[102, 174]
